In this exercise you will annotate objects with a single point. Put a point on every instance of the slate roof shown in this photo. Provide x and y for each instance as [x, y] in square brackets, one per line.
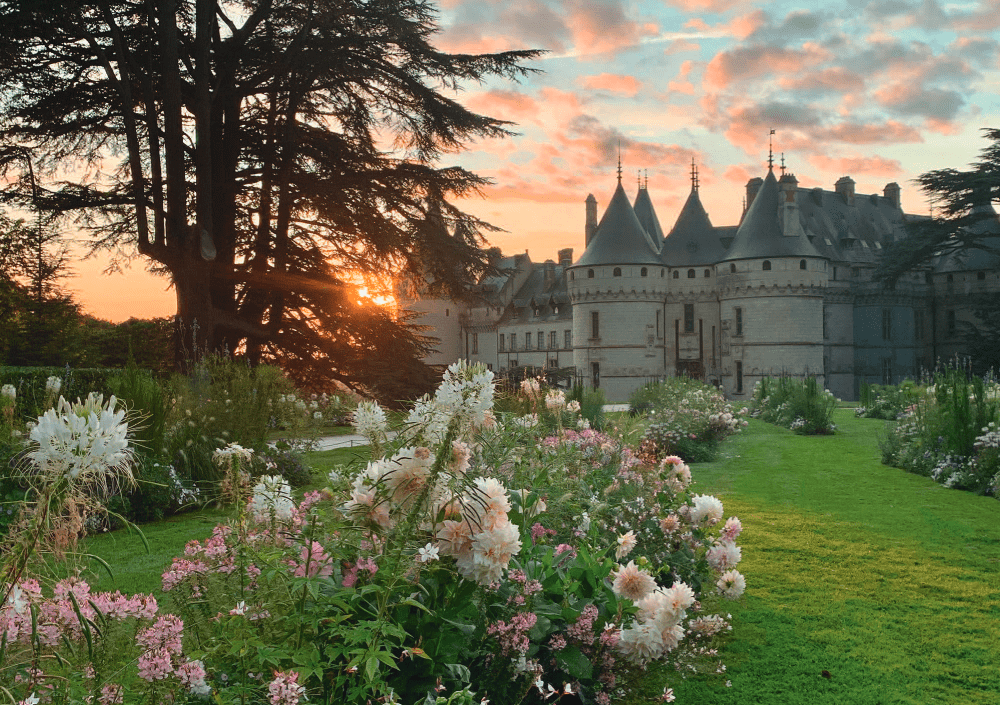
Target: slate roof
[620, 237]
[644, 211]
[693, 239]
[761, 234]
[537, 294]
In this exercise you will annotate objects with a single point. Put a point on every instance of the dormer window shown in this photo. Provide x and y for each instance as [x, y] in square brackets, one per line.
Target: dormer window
[767, 265]
[676, 274]
[732, 269]
[690, 274]
[708, 273]
[617, 272]
[802, 264]
[981, 276]
[643, 272]
[590, 274]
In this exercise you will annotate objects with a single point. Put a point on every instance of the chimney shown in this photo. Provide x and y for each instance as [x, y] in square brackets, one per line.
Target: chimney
[591, 226]
[753, 186]
[845, 187]
[788, 207]
[891, 192]
[566, 257]
[550, 273]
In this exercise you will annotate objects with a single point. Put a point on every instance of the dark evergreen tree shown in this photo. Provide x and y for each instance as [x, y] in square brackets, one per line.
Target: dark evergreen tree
[275, 154]
[962, 220]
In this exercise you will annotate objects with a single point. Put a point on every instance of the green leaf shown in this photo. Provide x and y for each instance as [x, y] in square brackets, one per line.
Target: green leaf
[573, 661]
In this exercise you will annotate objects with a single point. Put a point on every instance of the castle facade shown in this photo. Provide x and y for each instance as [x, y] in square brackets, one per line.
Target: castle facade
[787, 291]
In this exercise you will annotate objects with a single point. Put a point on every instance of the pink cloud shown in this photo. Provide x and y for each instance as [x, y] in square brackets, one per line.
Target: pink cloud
[679, 46]
[714, 6]
[875, 133]
[739, 173]
[835, 79]
[914, 99]
[870, 166]
[605, 28]
[746, 63]
[612, 83]
[740, 27]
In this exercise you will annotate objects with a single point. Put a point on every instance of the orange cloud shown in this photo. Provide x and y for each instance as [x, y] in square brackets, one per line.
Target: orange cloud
[506, 105]
[714, 6]
[612, 83]
[886, 132]
[679, 46]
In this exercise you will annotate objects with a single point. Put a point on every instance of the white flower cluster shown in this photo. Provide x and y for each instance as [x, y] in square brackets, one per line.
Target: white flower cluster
[657, 629]
[555, 400]
[272, 499]
[465, 396]
[53, 385]
[8, 391]
[224, 457]
[82, 441]
[369, 421]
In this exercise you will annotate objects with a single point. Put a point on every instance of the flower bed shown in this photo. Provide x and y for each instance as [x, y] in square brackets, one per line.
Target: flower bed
[800, 405]
[476, 555]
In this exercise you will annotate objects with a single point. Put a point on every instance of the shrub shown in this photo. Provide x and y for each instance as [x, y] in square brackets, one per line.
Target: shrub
[286, 463]
[800, 405]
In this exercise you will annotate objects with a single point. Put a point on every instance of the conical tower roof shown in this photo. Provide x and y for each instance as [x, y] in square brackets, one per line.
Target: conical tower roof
[761, 234]
[693, 239]
[644, 211]
[620, 237]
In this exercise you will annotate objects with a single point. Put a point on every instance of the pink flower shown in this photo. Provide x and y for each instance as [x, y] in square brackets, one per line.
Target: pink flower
[313, 561]
[626, 542]
[285, 690]
[155, 665]
[111, 694]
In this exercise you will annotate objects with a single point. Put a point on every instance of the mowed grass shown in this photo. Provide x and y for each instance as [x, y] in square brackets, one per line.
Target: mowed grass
[887, 581]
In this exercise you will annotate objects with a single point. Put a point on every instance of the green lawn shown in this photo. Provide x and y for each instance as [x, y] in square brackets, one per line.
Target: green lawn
[887, 581]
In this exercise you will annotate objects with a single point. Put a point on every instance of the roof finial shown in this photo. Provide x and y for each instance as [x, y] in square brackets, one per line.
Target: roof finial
[638, 178]
[694, 175]
[782, 163]
[646, 174]
[770, 151]
[619, 161]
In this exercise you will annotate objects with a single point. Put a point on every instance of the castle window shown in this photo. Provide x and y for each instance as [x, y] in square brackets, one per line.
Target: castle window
[708, 273]
[676, 274]
[732, 269]
[887, 324]
[541, 340]
[739, 321]
[552, 340]
[447, 312]
[595, 324]
[767, 265]
[617, 272]
[475, 343]
[739, 376]
[513, 342]
[503, 342]
[689, 318]
[590, 274]
[643, 272]
[662, 272]
[981, 276]
[595, 374]
[834, 274]
[658, 333]
[567, 339]
[572, 276]
[690, 274]
[527, 341]
[951, 321]
[802, 264]
[886, 370]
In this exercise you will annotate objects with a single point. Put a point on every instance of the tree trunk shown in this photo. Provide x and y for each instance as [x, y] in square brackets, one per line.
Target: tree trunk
[196, 323]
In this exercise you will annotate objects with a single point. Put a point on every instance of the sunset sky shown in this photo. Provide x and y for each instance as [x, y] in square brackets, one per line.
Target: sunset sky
[880, 91]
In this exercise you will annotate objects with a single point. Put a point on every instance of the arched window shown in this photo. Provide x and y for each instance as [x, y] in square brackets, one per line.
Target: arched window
[590, 274]
[572, 276]
[662, 273]
[617, 272]
[690, 274]
[676, 274]
[732, 269]
[767, 265]
[802, 264]
[708, 273]
[643, 272]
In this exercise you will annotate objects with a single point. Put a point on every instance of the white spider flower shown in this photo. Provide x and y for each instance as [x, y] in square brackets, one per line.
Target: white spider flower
[83, 442]
[272, 497]
[8, 391]
[369, 421]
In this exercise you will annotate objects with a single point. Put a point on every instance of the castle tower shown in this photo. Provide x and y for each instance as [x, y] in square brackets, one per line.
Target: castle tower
[617, 288]
[771, 293]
